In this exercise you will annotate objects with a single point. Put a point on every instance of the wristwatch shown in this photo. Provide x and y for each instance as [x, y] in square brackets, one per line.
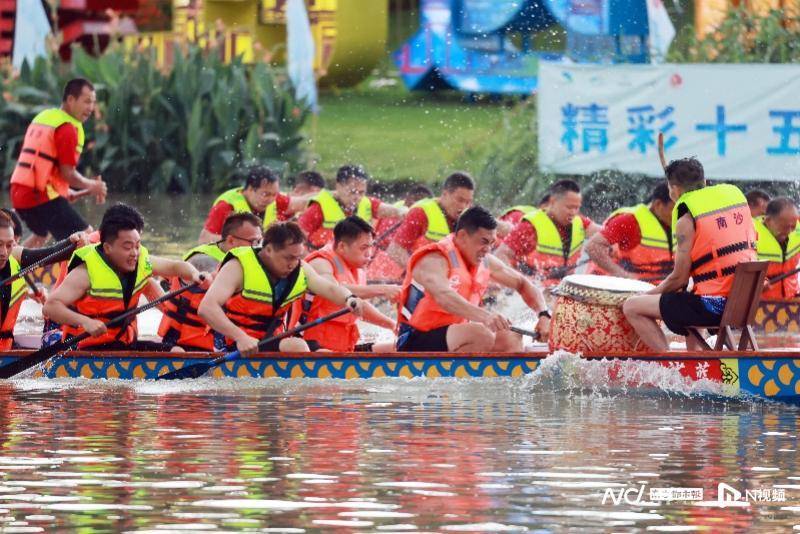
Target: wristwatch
[545, 313]
[350, 296]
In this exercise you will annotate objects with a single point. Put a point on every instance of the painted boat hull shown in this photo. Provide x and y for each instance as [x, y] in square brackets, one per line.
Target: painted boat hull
[778, 316]
[769, 374]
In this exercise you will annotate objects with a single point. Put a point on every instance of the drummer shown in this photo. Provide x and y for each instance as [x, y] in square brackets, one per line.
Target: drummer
[713, 233]
[636, 242]
[548, 241]
[440, 303]
[779, 244]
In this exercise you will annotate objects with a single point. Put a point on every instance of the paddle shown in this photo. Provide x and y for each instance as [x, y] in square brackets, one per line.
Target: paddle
[199, 369]
[35, 265]
[776, 279]
[25, 363]
[561, 272]
[389, 231]
[661, 155]
[523, 332]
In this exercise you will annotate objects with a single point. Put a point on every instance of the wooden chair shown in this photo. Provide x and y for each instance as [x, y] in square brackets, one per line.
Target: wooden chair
[740, 310]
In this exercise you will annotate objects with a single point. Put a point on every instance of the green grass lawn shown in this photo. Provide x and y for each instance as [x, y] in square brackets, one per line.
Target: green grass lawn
[397, 134]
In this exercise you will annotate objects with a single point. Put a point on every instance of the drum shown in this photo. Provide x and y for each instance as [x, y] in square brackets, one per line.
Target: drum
[588, 314]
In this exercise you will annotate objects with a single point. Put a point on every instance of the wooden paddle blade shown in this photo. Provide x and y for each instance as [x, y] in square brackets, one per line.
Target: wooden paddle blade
[195, 370]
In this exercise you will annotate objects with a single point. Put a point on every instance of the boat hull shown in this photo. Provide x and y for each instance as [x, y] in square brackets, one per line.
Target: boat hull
[768, 374]
[778, 316]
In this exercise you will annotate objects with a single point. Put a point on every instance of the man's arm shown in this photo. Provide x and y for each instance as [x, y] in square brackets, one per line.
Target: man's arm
[324, 269]
[599, 250]
[58, 304]
[76, 180]
[681, 271]
[398, 254]
[227, 283]
[332, 290]
[532, 295]
[208, 237]
[372, 315]
[388, 210]
[593, 229]
[505, 254]
[169, 268]
[298, 203]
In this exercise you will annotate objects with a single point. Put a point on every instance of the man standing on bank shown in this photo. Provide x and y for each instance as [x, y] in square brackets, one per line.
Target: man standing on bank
[45, 178]
[713, 233]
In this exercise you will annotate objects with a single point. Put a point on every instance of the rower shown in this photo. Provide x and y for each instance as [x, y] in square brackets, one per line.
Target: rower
[415, 194]
[757, 200]
[181, 326]
[713, 232]
[779, 243]
[547, 242]
[344, 262]
[440, 304]
[46, 169]
[431, 220]
[349, 198]
[13, 257]
[260, 195]
[256, 286]
[107, 278]
[640, 237]
[307, 184]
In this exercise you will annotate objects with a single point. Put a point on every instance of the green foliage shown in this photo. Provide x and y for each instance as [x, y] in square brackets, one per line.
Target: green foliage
[187, 129]
[742, 37]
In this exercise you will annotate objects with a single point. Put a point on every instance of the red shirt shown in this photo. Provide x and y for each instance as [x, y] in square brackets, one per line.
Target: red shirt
[414, 226]
[220, 211]
[623, 230]
[66, 140]
[522, 239]
[513, 217]
[311, 219]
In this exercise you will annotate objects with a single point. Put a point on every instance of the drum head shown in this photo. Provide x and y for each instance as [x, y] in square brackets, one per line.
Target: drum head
[604, 290]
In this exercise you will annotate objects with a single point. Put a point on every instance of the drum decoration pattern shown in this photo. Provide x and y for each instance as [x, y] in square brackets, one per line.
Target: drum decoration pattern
[588, 314]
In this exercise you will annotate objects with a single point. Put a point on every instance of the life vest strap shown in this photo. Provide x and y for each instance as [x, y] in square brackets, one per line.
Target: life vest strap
[710, 275]
[43, 155]
[723, 251]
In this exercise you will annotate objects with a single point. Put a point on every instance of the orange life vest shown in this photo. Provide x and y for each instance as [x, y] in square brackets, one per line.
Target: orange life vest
[724, 236]
[419, 310]
[650, 260]
[550, 251]
[37, 166]
[782, 259]
[180, 313]
[340, 334]
[252, 309]
[63, 267]
[104, 300]
[18, 290]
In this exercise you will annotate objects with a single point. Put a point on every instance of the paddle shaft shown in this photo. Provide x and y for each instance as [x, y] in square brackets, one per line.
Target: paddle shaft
[661, 155]
[776, 279]
[388, 232]
[523, 332]
[235, 355]
[22, 364]
[35, 265]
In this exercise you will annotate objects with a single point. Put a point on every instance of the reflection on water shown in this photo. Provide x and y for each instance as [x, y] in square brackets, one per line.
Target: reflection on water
[381, 455]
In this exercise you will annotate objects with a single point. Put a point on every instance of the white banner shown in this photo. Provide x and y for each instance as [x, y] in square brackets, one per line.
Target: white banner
[741, 121]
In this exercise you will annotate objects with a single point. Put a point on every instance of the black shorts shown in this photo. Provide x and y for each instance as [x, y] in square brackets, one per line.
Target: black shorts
[679, 310]
[55, 217]
[431, 341]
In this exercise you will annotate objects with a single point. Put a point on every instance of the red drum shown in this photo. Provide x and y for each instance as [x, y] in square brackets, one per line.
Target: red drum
[588, 314]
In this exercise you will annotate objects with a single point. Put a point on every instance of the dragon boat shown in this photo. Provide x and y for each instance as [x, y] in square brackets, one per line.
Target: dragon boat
[770, 374]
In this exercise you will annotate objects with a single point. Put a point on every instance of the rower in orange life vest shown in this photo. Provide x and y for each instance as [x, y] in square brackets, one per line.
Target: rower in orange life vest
[548, 241]
[107, 278]
[260, 195]
[181, 326]
[13, 258]
[255, 288]
[636, 242]
[431, 220]
[713, 232]
[440, 304]
[46, 169]
[344, 262]
[349, 198]
[779, 244]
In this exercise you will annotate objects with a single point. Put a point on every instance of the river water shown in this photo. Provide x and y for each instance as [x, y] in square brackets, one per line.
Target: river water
[555, 451]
